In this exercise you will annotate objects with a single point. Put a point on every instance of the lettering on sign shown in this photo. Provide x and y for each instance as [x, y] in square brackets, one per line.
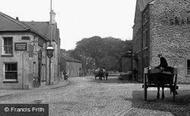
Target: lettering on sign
[20, 46]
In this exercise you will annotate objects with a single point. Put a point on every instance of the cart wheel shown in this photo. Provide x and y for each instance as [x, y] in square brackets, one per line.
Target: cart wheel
[145, 87]
[174, 93]
[145, 92]
[174, 97]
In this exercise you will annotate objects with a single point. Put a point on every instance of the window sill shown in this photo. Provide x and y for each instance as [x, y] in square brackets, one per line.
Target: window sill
[7, 55]
[10, 81]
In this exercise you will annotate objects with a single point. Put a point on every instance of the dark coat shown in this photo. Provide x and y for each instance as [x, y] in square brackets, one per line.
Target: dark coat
[163, 62]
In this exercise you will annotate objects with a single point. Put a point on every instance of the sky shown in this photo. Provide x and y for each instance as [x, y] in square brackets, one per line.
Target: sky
[78, 19]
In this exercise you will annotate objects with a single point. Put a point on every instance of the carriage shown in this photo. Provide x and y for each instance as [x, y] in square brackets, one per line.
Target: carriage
[160, 79]
[102, 74]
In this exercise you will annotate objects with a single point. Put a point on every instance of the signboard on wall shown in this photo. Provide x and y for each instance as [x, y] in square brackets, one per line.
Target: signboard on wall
[21, 46]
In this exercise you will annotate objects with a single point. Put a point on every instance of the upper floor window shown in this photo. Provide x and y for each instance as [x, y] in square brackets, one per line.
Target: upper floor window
[7, 46]
[25, 38]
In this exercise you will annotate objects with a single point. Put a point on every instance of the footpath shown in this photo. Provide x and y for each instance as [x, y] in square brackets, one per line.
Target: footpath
[7, 92]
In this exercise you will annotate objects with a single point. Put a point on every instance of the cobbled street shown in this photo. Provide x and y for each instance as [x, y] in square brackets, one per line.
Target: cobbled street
[84, 96]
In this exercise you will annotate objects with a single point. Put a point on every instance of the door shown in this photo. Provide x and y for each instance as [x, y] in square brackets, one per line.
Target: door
[39, 66]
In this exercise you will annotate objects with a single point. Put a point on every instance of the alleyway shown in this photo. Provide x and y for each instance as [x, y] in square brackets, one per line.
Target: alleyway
[84, 96]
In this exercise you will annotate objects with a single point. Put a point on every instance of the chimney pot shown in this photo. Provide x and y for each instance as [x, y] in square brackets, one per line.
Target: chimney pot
[17, 18]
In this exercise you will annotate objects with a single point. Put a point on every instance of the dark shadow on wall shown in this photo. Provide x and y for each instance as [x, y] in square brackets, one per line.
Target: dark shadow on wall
[181, 107]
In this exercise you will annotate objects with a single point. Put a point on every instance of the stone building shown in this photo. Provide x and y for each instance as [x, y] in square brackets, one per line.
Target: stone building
[162, 26]
[23, 62]
[126, 62]
[71, 66]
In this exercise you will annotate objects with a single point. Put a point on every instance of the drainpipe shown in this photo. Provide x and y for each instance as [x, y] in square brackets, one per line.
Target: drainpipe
[142, 54]
[22, 71]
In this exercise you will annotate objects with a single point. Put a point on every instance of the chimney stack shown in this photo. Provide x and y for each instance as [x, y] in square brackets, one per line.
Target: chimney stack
[17, 18]
[52, 17]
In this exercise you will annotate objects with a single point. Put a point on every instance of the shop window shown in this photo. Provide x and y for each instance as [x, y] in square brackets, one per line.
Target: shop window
[7, 46]
[11, 71]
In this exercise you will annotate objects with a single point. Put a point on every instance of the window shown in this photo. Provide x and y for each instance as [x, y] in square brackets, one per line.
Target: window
[188, 67]
[25, 38]
[7, 45]
[11, 71]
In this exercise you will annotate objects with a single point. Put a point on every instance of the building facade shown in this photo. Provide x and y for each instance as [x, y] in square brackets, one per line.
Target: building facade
[162, 26]
[23, 62]
[71, 66]
[126, 62]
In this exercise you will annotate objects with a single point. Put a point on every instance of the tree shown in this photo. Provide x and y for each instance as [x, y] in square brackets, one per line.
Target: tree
[101, 52]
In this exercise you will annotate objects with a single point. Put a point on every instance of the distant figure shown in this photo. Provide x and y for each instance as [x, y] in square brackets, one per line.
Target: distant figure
[135, 72]
[103, 69]
[80, 72]
[65, 75]
[105, 73]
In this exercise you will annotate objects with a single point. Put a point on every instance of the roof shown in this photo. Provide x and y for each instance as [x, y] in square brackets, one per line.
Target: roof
[43, 28]
[40, 27]
[9, 24]
[70, 59]
[140, 6]
[142, 3]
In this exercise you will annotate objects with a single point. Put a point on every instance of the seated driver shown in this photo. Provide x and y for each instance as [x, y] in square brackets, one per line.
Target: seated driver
[164, 67]
[163, 63]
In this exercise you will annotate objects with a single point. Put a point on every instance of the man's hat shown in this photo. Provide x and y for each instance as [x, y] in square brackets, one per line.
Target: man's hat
[159, 55]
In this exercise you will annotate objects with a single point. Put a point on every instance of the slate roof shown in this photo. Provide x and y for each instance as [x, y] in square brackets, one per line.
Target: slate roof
[43, 28]
[9, 24]
[70, 59]
[142, 4]
[40, 27]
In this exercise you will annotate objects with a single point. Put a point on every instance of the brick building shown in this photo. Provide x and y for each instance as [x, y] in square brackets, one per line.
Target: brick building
[162, 26]
[23, 53]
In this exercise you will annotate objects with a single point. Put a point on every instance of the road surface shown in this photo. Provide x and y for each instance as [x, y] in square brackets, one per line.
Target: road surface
[84, 96]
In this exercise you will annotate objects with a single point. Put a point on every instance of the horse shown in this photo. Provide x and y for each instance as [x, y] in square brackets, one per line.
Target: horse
[162, 79]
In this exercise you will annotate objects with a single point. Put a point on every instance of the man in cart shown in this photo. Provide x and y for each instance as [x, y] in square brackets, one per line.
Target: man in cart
[164, 69]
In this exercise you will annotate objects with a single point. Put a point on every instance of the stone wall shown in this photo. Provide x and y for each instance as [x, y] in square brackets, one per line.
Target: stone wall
[73, 68]
[27, 62]
[170, 34]
[137, 39]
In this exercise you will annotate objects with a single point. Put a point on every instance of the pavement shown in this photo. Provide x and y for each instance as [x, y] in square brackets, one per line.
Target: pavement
[7, 92]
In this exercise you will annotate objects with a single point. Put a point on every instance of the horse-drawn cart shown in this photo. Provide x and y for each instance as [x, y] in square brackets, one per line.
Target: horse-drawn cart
[162, 80]
[102, 74]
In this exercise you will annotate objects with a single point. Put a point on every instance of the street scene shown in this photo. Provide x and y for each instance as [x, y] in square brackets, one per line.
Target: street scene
[97, 58]
[84, 96]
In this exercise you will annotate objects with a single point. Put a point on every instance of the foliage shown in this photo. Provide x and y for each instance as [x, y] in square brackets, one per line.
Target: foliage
[100, 52]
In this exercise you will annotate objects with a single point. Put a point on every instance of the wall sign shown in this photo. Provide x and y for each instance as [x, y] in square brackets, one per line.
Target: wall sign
[22, 46]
